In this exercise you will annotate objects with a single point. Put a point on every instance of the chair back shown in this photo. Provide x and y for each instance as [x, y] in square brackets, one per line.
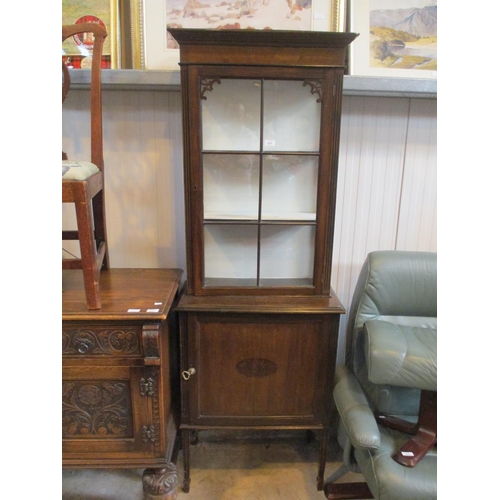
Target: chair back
[399, 287]
[99, 35]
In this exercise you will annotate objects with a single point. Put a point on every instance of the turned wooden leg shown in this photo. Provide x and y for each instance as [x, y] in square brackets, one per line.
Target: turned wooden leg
[186, 440]
[160, 484]
[323, 445]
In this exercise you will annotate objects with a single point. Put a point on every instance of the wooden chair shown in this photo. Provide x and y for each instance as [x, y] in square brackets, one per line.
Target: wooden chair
[83, 181]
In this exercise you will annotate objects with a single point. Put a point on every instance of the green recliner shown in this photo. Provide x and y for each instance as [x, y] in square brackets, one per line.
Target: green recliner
[386, 393]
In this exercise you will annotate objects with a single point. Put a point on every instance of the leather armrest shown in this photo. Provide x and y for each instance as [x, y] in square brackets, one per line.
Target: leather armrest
[354, 411]
[404, 356]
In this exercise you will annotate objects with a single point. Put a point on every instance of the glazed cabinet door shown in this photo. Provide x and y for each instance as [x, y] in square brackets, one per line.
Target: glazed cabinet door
[257, 369]
[259, 173]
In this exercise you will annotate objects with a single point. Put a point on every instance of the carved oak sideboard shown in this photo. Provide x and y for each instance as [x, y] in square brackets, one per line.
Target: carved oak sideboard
[117, 389]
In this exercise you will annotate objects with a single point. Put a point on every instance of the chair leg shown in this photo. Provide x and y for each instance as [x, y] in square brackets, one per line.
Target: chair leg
[88, 250]
[100, 224]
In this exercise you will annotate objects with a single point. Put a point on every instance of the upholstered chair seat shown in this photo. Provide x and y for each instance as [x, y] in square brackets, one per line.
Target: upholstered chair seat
[78, 170]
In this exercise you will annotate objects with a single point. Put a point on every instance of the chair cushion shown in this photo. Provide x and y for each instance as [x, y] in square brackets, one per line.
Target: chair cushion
[78, 170]
[404, 356]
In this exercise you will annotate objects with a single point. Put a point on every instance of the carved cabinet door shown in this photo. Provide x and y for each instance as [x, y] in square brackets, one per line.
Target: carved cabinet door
[110, 411]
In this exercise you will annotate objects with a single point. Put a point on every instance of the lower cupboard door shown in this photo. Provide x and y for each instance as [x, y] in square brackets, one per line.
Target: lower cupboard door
[109, 412]
[258, 371]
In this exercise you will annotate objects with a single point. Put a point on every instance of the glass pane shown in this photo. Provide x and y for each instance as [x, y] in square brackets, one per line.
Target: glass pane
[289, 187]
[230, 253]
[291, 117]
[287, 255]
[231, 115]
[230, 186]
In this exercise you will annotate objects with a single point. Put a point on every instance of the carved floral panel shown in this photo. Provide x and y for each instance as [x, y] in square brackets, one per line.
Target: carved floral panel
[96, 409]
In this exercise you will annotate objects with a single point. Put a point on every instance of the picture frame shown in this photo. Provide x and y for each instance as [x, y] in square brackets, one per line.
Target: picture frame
[122, 19]
[391, 43]
[131, 19]
[161, 53]
[104, 12]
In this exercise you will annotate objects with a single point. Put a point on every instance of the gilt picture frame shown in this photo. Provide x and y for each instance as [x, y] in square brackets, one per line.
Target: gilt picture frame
[123, 21]
[161, 52]
[396, 39]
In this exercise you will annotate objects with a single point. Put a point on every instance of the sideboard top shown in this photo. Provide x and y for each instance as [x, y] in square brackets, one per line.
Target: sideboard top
[126, 294]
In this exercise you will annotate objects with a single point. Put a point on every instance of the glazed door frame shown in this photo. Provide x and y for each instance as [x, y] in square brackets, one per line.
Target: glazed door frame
[326, 85]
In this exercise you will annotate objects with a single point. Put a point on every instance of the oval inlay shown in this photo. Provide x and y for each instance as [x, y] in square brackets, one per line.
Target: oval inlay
[256, 367]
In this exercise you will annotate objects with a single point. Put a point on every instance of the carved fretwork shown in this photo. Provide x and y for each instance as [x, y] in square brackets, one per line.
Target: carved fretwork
[316, 88]
[96, 409]
[207, 85]
[160, 483]
[105, 341]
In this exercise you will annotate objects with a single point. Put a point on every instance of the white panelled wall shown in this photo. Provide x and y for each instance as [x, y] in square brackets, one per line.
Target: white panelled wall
[386, 193]
[386, 196]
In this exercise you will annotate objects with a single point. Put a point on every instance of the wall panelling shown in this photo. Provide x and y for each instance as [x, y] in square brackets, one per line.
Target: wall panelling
[386, 196]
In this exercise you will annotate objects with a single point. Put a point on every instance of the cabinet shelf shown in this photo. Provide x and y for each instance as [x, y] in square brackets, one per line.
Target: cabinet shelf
[264, 282]
[265, 152]
[295, 218]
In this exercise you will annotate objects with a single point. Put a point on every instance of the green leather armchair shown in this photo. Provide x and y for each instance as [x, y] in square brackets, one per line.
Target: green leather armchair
[386, 393]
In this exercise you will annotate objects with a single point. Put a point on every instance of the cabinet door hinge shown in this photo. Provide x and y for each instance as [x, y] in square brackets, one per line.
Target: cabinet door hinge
[148, 433]
[147, 386]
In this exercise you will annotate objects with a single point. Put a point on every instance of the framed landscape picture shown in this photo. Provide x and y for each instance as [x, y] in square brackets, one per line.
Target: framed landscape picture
[161, 51]
[396, 38]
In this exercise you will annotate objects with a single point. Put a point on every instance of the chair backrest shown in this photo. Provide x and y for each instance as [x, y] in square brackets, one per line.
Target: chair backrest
[99, 35]
[399, 287]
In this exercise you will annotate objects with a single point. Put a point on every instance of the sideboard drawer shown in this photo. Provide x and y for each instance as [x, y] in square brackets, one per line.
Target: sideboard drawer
[101, 340]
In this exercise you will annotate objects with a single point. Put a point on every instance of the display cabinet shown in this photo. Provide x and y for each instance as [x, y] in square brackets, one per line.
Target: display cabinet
[258, 318]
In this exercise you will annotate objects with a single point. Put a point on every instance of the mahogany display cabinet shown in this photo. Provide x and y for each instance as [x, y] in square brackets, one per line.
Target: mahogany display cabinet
[258, 319]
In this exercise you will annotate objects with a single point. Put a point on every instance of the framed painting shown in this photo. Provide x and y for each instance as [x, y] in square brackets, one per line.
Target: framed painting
[396, 39]
[161, 51]
[78, 49]
[122, 19]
